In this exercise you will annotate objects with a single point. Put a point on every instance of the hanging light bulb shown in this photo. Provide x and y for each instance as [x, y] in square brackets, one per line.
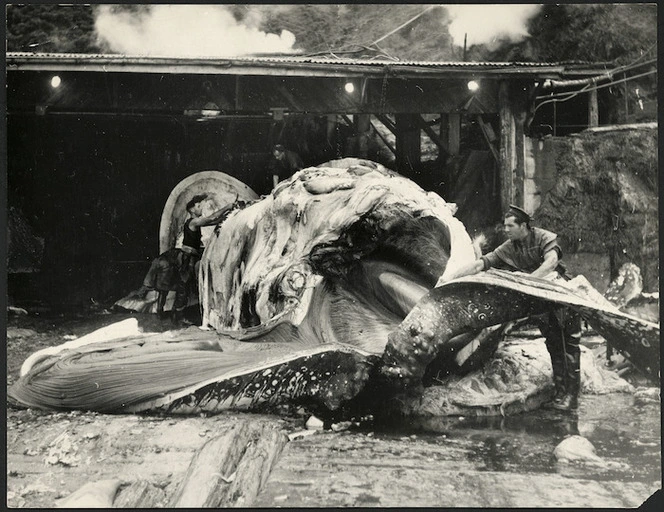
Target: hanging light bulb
[350, 88]
[55, 82]
[473, 86]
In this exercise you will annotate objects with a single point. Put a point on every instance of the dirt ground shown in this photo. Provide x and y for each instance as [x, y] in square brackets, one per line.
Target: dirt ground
[444, 462]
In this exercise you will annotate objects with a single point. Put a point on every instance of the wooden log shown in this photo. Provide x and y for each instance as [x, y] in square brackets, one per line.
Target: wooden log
[254, 468]
[208, 480]
[140, 494]
[98, 494]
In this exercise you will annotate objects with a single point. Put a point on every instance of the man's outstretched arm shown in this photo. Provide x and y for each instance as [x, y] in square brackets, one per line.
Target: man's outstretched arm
[465, 270]
[213, 218]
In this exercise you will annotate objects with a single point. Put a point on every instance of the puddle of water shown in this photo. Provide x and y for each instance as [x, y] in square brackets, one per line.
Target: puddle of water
[620, 431]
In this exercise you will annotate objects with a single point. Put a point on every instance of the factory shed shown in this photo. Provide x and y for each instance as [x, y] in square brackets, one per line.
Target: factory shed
[97, 142]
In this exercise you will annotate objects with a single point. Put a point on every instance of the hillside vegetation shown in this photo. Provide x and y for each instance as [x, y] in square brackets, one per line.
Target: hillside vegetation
[592, 32]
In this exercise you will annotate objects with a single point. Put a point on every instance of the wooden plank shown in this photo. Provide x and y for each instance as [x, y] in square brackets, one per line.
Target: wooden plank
[385, 141]
[507, 136]
[433, 135]
[489, 143]
[387, 122]
[293, 103]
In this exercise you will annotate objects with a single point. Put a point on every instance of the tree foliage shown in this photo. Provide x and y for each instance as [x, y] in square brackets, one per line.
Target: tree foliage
[582, 32]
[51, 28]
[348, 29]
[563, 32]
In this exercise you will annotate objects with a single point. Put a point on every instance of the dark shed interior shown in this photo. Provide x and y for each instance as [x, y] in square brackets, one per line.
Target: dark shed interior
[92, 161]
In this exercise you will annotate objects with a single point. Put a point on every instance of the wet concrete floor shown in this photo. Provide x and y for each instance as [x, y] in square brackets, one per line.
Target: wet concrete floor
[477, 462]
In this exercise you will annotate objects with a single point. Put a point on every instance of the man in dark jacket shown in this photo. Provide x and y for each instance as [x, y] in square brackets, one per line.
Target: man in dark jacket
[536, 251]
[283, 164]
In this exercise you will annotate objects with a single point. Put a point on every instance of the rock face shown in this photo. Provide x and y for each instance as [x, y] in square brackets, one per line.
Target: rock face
[605, 200]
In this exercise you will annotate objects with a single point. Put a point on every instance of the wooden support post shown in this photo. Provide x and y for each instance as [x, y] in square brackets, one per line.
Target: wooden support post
[507, 149]
[520, 158]
[445, 129]
[408, 142]
[454, 133]
[362, 130]
[593, 110]
[331, 127]
[520, 112]
[238, 90]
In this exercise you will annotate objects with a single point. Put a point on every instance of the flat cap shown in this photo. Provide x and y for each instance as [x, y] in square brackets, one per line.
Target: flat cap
[519, 214]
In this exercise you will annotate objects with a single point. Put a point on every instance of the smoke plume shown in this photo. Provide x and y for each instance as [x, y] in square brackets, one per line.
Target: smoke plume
[484, 23]
[186, 31]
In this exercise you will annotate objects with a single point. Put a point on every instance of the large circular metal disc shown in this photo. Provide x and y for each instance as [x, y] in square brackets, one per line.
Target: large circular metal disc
[221, 190]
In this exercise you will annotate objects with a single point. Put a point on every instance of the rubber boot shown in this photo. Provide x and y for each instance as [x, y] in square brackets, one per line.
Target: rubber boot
[176, 317]
[161, 302]
[559, 387]
[570, 401]
[560, 390]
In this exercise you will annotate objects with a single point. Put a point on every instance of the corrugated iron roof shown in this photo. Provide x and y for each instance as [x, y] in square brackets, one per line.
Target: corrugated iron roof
[297, 59]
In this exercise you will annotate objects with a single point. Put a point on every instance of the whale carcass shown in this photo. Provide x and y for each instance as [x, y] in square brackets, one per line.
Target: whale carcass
[322, 293]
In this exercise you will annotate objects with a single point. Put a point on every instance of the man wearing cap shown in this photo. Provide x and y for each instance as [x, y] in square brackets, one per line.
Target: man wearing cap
[536, 251]
[283, 164]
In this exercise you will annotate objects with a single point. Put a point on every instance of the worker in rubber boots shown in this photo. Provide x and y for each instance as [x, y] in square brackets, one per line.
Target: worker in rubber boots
[536, 252]
[176, 268]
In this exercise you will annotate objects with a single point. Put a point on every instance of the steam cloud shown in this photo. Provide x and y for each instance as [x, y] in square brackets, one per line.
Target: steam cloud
[186, 31]
[486, 22]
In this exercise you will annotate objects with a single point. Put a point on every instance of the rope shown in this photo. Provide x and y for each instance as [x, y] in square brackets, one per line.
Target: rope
[402, 26]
